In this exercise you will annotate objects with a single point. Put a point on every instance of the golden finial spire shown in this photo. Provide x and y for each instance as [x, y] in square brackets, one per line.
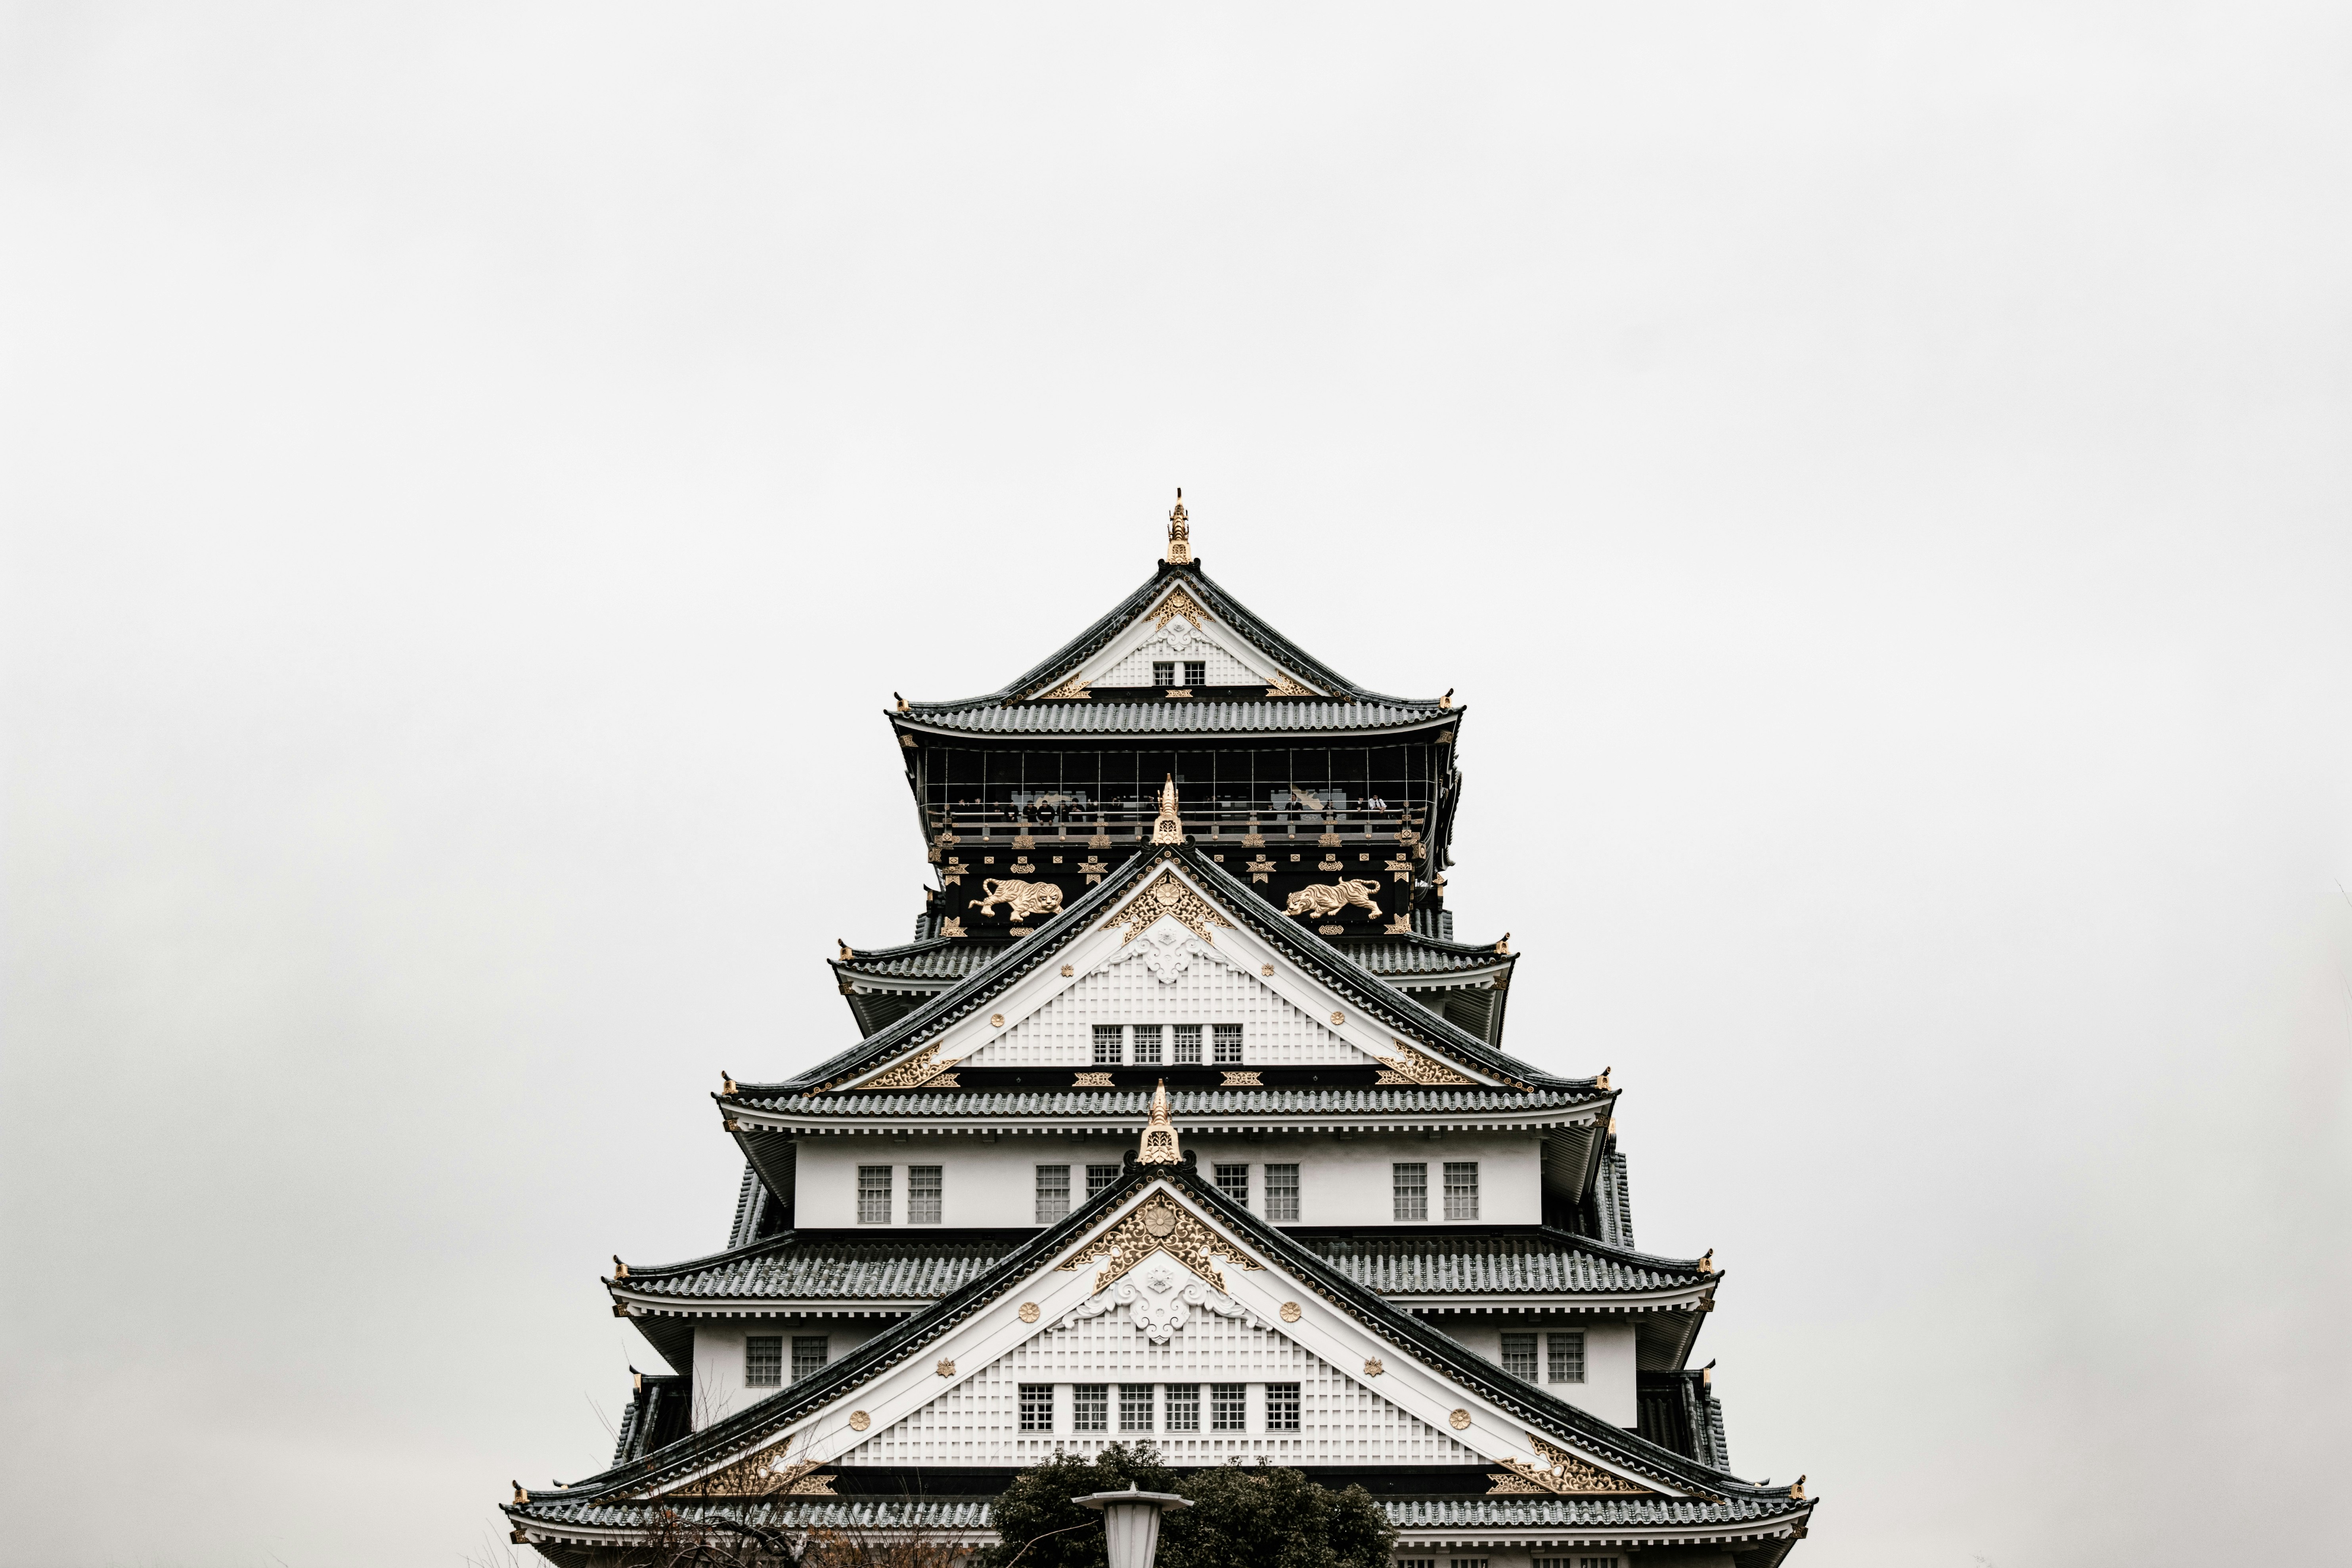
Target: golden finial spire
[1160, 1135]
[1170, 827]
[1179, 535]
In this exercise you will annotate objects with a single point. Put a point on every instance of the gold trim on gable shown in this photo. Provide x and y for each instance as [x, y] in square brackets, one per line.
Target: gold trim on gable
[924, 1066]
[1168, 894]
[1563, 1474]
[1411, 1067]
[1158, 1225]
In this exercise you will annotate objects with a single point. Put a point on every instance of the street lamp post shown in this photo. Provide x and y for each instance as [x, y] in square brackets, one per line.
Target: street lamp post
[1131, 1523]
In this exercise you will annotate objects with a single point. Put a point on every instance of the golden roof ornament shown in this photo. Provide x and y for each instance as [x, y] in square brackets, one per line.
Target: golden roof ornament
[1159, 1146]
[1170, 827]
[1179, 535]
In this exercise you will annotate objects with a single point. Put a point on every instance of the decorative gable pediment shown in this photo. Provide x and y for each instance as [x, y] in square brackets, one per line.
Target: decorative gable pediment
[1160, 1292]
[1168, 952]
[1176, 629]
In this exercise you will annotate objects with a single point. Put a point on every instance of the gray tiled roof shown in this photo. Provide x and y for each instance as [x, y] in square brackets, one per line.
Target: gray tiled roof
[1507, 1513]
[794, 1268]
[1195, 1106]
[991, 716]
[1243, 621]
[952, 958]
[1549, 1263]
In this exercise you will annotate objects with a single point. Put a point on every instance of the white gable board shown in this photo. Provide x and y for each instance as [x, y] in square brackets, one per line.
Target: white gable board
[1178, 628]
[1341, 1421]
[1305, 1018]
[1165, 976]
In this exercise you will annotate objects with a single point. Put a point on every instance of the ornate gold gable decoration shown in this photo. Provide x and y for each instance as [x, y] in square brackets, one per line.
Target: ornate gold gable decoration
[920, 1068]
[1158, 1225]
[1071, 691]
[1168, 896]
[1159, 1146]
[1283, 686]
[1169, 827]
[1564, 1474]
[1179, 603]
[1410, 1066]
[765, 1474]
[1180, 537]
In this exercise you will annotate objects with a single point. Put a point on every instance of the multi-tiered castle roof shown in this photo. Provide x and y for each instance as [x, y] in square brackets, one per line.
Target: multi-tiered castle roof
[1186, 1119]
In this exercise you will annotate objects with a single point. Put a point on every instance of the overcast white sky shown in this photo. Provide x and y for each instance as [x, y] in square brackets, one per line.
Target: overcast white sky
[1877, 475]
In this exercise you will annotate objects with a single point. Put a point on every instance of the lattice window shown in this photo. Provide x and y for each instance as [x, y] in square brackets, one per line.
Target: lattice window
[1282, 1191]
[1187, 1044]
[1183, 1407]
[1467, 1563]
[1228, 1407]
[810, 1352]
[1147, 1044]
[1233, 1181]
[874, 1194]
[1163, 672]
[1519, 1355]
[1196, 672]
[1107, 1044]
[1227, 1038]
[1100, 1176]
[1036, 1407]
[1565, 1353]
[1596, 1563]
[1410, 1183]
[1282, 1407]
[1461, 1189]
[923, 1195]
[763, 1361]
[1425, 1563]
[1090, 1408]
[1052, 1192]
[1135, 1408]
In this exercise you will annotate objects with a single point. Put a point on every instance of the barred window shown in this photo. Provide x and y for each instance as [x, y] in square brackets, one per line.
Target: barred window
[1461, 1189]
[1227, 1039]
[1411, 1188]
[1282, 1407]
[1135, 1408]
[1282, 1191]
[1228, 1406]
[1106, 1044]
[874, 1194]
[1519, 1355]
[1567, 1357]
[1183, 1407]
[1196, 672]
[923, 1195]
[1187, 1044]
[1036, 1407]
[763, 1361]
[1468, 1563]
[1052, 1192]
[1163, 672]
[1595, 1562]
[1090, 1408]
[1147, 1043]
[1423, 1562]
[1100, 1176]
[1233, 1181]
[809, 1355]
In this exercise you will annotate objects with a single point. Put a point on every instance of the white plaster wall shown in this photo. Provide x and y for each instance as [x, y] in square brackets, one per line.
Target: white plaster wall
[1609, 1389]
[1194, 983]
[1342, 1181]
[719, 1390]
[977, 1421]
